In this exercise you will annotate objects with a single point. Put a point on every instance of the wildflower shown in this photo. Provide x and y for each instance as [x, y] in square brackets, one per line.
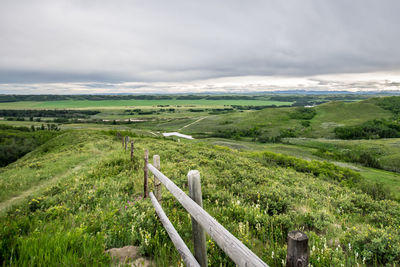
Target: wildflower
[240, 227]
[272, 254]
[349, 246]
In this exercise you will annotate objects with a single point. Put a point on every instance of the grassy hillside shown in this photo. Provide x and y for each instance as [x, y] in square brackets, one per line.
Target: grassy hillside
[270, 119]
[339, 152]
[385, 151]
[17, 141]
[274, 121]
[52, 159]
[93, 202]
[334, 114]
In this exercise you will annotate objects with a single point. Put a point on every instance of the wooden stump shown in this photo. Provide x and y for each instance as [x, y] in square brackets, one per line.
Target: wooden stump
[132, 148]
[297, 250]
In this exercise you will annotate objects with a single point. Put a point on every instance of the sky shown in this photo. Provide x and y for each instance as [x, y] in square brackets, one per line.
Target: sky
[179, 46]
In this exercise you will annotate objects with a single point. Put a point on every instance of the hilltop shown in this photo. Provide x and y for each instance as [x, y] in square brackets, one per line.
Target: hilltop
[83, 195]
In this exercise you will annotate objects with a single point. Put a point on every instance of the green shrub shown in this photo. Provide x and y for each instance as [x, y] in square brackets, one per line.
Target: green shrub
[369, 130]
[302, 113]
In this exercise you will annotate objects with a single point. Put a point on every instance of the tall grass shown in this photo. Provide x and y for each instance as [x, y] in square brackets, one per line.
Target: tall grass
[73, 221]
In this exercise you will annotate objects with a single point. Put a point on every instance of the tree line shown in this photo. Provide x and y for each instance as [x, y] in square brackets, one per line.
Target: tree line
[48, 113]
[373, 129]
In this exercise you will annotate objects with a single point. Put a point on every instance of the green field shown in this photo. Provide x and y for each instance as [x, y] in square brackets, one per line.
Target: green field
[107, 104]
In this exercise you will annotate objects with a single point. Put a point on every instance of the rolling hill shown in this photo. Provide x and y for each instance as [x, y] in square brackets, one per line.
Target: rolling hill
[79, 194]
[273, 121]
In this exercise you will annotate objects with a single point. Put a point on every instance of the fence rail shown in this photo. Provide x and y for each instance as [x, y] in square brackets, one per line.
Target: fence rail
[297, 251]
[236, 250]
[183, 250]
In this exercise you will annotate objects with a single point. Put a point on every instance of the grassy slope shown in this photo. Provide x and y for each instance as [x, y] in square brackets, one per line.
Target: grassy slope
[271, 120]
[307, 149]
[387, 151]
[40, 166]
[334, 114]
[75, 219]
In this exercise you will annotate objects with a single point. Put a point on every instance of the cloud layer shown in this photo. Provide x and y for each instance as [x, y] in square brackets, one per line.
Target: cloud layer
[364, 82]
[125, 41]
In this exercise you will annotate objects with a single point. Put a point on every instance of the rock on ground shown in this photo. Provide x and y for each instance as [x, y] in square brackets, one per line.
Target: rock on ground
[128, 255]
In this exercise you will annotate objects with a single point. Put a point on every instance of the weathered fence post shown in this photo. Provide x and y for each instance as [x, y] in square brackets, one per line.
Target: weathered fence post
[157, 183]
[297, 250]
[132, 150]
[146, 174]
[199, 236]
[126, 142]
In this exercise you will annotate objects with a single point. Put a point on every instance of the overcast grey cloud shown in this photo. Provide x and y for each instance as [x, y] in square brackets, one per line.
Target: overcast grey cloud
[103, 43]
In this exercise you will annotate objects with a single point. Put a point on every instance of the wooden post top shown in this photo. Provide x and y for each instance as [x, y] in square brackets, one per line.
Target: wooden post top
[297, 235]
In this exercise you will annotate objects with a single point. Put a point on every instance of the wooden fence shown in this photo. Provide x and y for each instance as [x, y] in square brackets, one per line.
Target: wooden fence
[297, 251]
